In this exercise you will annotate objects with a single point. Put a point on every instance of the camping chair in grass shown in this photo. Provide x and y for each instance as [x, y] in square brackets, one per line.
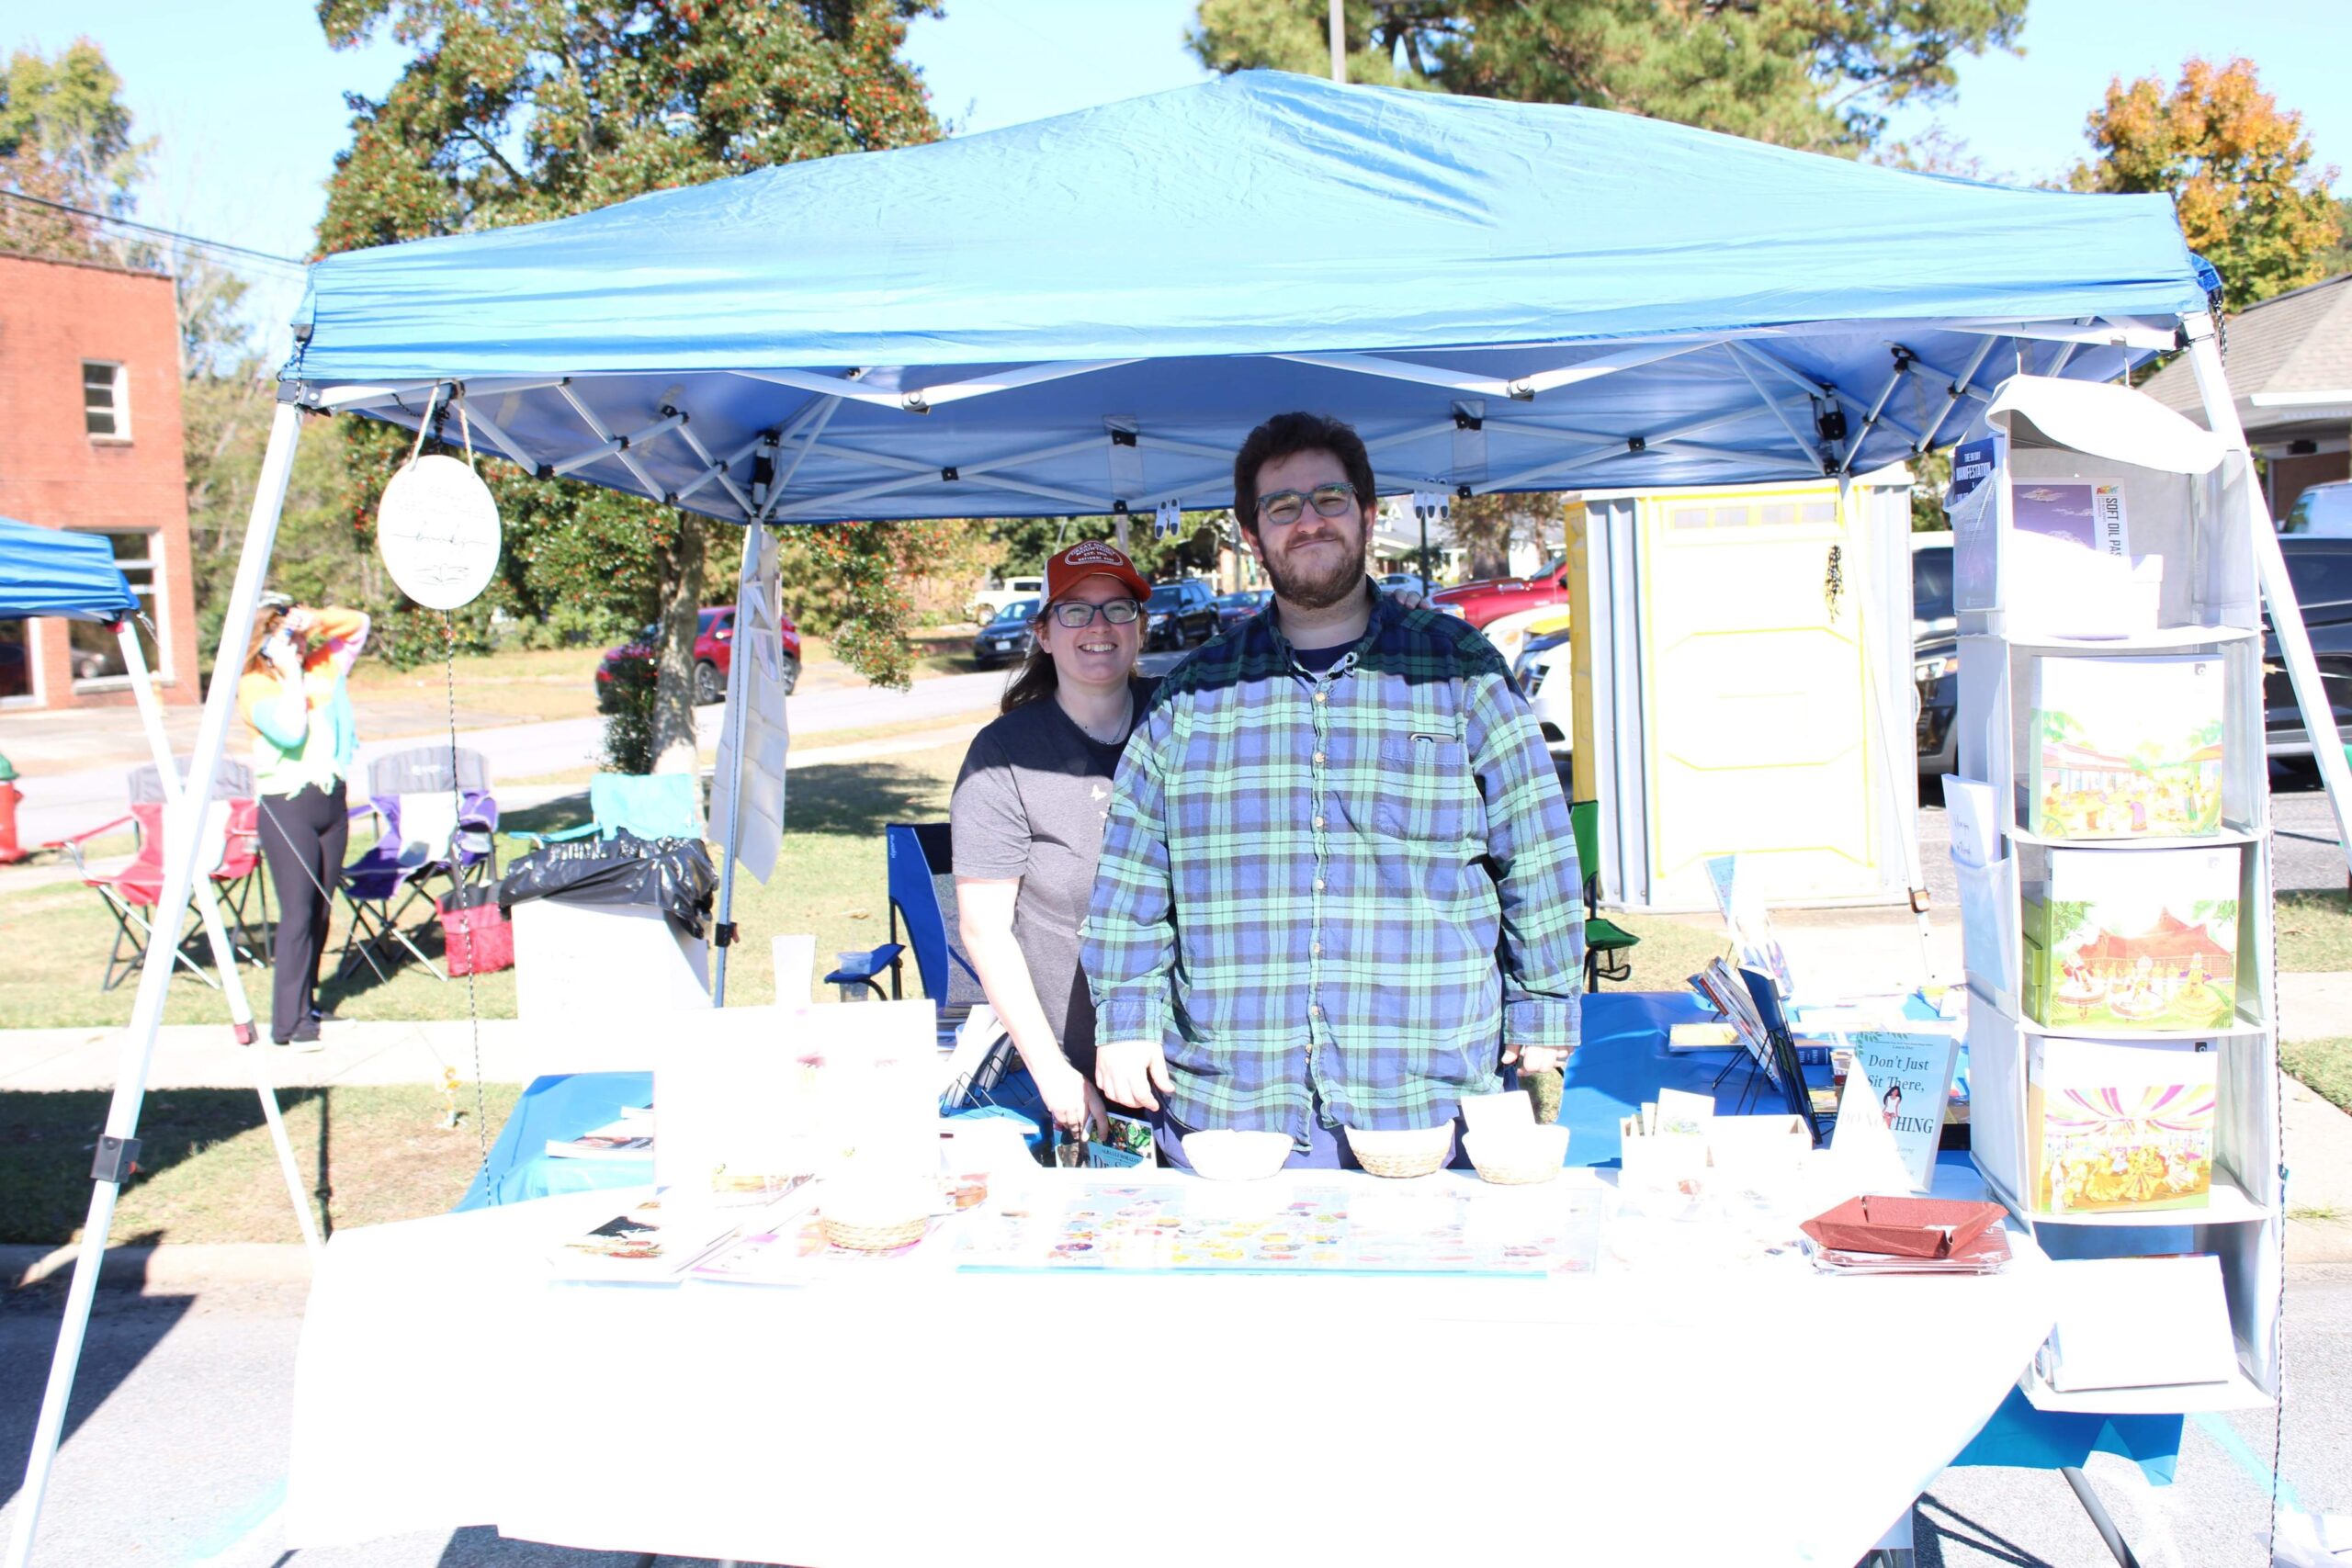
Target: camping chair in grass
[130, 887]
[922, 905]
[1604, 940]
[650, 806]
[436, 817]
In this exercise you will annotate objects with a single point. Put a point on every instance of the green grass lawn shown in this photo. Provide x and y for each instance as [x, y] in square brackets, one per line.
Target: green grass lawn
[2324, 1064]
[2314, 932]
[829, 881]
[206, 1172]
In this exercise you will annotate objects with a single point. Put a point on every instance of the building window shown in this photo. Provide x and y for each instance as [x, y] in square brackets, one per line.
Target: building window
[15, 661]
[96, 654]
[105, 401]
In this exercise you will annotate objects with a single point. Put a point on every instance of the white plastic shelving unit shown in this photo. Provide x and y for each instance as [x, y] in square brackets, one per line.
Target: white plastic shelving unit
[2189, 498]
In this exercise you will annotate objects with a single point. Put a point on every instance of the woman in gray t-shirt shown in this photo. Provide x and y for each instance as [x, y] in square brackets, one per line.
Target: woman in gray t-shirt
[1028, 814]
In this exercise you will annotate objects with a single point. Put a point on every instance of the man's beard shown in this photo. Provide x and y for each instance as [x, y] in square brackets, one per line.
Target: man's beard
[1310, 589]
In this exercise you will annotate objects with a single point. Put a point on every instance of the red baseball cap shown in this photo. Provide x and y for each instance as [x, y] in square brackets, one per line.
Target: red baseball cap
[1091, 557]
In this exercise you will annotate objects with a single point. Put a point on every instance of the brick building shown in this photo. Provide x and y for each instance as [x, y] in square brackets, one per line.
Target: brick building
[90, 440]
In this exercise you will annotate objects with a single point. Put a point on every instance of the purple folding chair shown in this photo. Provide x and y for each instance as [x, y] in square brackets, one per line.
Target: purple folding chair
[435, 820]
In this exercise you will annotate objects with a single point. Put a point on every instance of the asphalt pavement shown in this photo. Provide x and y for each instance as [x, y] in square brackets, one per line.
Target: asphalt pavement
[177, 1451]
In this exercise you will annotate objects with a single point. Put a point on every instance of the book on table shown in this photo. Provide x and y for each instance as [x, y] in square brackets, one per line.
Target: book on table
[625, 1139]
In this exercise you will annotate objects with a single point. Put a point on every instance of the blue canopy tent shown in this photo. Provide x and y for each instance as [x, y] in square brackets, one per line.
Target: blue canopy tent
[48, 571]
[1084, 315]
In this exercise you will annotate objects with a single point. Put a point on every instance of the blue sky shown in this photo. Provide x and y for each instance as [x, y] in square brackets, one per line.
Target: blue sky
[250, 115]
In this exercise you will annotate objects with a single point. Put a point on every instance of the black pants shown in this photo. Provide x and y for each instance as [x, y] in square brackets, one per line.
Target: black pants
[302, 837]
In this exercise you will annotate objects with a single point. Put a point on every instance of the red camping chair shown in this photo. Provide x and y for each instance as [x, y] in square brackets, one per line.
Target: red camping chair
[130, 888]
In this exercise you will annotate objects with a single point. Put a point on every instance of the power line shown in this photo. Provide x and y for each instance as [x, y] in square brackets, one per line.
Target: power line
[196, 240]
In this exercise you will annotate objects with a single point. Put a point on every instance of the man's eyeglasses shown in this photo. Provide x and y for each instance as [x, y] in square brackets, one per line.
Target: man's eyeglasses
[1077, 613]
[1284, 507]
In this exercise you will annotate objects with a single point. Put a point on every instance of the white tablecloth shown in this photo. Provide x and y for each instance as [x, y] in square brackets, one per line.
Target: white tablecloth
[924, 1416]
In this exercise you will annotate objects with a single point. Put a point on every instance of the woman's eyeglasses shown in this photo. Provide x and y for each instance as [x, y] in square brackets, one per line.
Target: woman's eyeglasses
[1284, 507]
[1077, 613]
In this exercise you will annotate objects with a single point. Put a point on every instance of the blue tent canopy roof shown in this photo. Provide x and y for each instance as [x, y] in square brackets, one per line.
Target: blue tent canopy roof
[48, 571]
[995, 313]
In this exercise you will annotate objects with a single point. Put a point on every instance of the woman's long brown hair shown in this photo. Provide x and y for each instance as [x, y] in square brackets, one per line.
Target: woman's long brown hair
[1035, 680]
[266, 621]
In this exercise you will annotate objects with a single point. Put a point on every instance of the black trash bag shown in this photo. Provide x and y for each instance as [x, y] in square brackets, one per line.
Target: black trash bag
[673, 875]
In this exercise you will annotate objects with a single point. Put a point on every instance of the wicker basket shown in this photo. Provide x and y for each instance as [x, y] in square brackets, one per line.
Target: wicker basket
[1402, 1155]
[855, 1236]
[1528, 1157]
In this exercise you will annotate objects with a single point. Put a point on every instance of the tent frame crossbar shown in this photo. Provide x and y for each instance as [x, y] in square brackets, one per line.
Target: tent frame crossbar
[1747, 352]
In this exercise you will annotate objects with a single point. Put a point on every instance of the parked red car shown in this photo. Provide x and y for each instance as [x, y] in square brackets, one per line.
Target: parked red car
[1492, 598]
[714, 652]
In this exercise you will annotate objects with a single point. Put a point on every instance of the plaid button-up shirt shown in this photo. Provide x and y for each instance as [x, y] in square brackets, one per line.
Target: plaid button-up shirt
[1364, 881]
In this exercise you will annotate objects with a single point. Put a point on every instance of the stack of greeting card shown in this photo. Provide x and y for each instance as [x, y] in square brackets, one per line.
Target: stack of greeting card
[2143, 941]
[2125, 748]
[2112, 1127]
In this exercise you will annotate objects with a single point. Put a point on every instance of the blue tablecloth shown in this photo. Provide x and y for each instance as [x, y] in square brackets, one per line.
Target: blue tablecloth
[566, 1106]
[1622, 1062]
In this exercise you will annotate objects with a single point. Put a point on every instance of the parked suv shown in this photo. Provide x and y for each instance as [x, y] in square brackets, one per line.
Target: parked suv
[1179, 613]
[2319, 570]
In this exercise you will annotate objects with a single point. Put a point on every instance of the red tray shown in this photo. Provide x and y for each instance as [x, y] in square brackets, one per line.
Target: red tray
[1906, 1227]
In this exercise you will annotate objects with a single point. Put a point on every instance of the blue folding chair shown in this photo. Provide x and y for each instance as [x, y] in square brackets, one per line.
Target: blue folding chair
[650, 806]
[922, 912]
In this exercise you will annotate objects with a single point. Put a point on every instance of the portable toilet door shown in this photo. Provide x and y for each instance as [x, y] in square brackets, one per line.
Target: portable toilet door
[1732, 708]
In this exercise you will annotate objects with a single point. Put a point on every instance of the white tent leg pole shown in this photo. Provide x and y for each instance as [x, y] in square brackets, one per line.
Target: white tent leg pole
[224, 957]
[1864, 530]
[2277, 593]
[180, 848]
[732, 750]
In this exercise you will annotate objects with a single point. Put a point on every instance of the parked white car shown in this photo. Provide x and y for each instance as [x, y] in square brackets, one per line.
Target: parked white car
[2321, 512]
[991, 602]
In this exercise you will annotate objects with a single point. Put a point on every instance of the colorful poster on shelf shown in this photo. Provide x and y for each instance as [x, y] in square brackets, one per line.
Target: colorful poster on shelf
[2088, 513]
[2126, 748]
[2133, 942]
[2114, 1127]
[1911, 1075]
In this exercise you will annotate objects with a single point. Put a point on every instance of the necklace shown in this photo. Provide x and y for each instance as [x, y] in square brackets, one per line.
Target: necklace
[1118, 729]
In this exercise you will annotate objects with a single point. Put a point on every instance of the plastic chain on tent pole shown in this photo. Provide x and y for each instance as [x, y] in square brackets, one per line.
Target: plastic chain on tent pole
[2277, 593]
[119, 1148]
[224, 957]
[733, 749]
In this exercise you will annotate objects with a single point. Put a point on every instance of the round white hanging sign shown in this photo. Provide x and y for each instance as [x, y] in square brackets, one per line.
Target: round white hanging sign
[437, 530]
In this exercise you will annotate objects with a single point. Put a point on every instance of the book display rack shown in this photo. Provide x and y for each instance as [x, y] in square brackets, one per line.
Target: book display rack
[2123, 1053]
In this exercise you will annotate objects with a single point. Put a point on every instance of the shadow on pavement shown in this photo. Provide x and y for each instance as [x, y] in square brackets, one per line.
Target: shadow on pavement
[124, 1328]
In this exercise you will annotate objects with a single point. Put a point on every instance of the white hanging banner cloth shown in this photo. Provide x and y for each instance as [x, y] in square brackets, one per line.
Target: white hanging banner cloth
[759, 774]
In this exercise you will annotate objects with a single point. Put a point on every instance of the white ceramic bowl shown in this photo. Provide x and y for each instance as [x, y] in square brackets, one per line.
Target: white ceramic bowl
[1230, 1154]
[1518, 1156]
[1415, 1151]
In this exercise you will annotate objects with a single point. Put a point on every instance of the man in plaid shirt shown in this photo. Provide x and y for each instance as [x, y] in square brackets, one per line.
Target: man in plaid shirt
[1338, 886]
